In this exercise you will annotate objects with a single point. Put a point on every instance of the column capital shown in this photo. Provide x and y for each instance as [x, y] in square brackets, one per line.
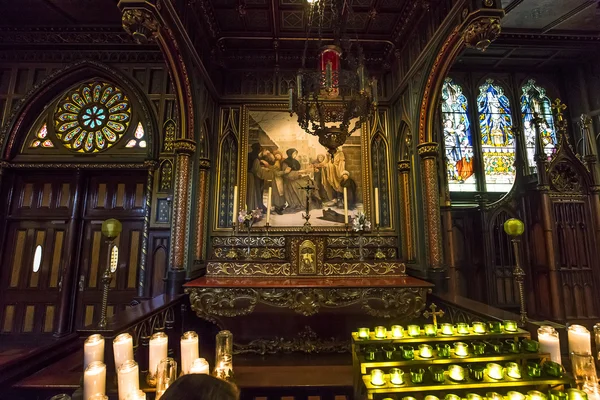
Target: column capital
[428, 150]
[204, 163]
[481, 32]
[404, 166]
[184, 146]
[140, 23]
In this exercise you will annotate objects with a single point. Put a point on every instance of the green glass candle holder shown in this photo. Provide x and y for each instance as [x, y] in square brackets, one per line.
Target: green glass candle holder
[462, 328]
[494, 371]
[479, 327]
[536, 395]
[363, 333]
[443, 350]
[477, 372]
[534, 370]
[478, 348]
[452, 396]
[513, 395]
[557, 395]
[396, 376]
[380, 332]
[494, 396]
[447, 329]
[377, 377]
[474, 396]
[408, 398]
[370, 353]
[414, 330]
[495, 346]
[553, 369]
[461, 349]
[510, 326]
[437, 374]
[408, 352]
[513, 346]
[513, 370]
[431, 397]
[416, 375]
[430, 330]
[530, 345]
[397, 331]
[495, 327]
[425, 351]
[576, 394]
[389, 352]
[456, 373]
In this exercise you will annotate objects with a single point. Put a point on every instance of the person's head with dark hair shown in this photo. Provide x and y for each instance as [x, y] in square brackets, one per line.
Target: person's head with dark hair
[201, 387]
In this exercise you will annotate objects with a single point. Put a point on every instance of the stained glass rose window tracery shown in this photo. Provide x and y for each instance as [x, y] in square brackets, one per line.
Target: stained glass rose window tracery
[92, 117]
[41, 138]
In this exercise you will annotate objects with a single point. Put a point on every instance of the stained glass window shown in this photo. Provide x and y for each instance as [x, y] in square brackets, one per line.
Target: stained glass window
[497, 140]
[458, 139]
[41, 139]
[139, 140]
[534, 99]
[92, 117]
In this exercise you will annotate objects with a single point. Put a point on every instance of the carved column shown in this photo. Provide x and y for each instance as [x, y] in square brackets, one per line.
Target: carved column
[431, 210]
[406, 226]
[146, 229]
[184, 149]
[201, 204]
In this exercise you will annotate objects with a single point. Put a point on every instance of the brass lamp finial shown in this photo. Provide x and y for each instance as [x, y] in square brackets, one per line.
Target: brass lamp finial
[514, 227]
[111, 228]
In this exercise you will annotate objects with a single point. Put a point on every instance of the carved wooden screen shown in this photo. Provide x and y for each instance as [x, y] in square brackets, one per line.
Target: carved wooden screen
[228, 166]
[379, 160]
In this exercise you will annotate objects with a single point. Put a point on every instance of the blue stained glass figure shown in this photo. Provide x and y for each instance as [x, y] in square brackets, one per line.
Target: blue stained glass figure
[534, 99]
[458, 142]
[497, 139]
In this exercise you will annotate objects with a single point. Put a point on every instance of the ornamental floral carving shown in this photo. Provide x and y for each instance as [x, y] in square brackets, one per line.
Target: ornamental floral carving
[565, 178]
[481, 33]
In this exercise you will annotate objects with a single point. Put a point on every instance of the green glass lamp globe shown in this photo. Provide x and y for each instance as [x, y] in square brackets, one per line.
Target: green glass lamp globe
[111, 228]
[514, 227]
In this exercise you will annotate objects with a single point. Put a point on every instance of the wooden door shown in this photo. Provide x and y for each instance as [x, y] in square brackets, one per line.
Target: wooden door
[120, 196]
[38, 216]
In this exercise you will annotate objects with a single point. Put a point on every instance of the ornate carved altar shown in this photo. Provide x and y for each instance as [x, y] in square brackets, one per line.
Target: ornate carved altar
[315, 286]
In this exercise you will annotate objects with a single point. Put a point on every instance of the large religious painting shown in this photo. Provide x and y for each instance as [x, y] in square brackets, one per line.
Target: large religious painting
[281, 158]
[497, 139]
[534, 100]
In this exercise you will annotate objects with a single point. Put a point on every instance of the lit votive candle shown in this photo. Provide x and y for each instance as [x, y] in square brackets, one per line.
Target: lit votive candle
[512, 395]
[447, 329]
[137, 395]
[159, 349]
[513, 370]
[478, 327]
[495, 371]
[474, 396]
[576, 394]
[431, 397]
[456, 372]
[123, 349]
[461, 349]
[510, 326]
[397, 331]
[93, 350]
[579, 339]
[363, 333]
[409, 398]
[494, 396]
[430, 330]
[396, 376]
[380, 332]
[98, 397]
[452, 396]
[414, 330]
[94, 379]
[189, 351]
[536, 395]
[199, 366]
[425, 351]
[377, 377]
[462, 328]
[128, 379]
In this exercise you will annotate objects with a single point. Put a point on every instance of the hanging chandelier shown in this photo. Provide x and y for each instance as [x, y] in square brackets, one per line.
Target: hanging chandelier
[336, 98]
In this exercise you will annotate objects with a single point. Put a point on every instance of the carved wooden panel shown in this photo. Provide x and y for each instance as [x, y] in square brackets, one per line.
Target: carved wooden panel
[111, 198]
[41, 196]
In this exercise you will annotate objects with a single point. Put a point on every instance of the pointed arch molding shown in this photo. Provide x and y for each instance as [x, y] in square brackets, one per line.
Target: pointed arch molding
[26, 113]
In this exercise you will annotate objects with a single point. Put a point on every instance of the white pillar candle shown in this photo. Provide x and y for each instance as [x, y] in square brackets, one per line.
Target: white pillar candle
[346, 206]
[549, 343]
[579, 339]
[93, 350]
[235, 205]
[199, 366]
[269, 204]
[189, 351]
[128, 379]
[159, 349]
[123, 349]
[377, 206]
[137, 395]
[94, 379]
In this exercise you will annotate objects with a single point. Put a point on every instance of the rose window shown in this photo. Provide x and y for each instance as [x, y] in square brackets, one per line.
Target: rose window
[92, 118]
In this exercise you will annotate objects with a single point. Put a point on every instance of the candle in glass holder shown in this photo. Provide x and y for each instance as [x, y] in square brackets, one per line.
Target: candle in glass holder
[363, 333]
[512, 395]
[396, 376]
[380, 332]
[494, 396]
[377, 377]
[462, 328]
[159, 349]
[189, 350]
[425, 351]
[93, 350]
[431, 397]
[447, 329]
[128, 379]
[199, 366]
[461, 349]
[597, 340]
[536, 395]
[456, 372]
[478, 327]
[513, 370]
[575, 394]
[409, 398]
[495, 371]
[123, 349]
[94, 379]
[510, 326]
[549, 342]
[397, 331]
[451, 396]
[430, 330]
[165, 376]
[579, 339]
[137, 395]
[584, 369]
[474, 396]
[414, 330]
[97, 396]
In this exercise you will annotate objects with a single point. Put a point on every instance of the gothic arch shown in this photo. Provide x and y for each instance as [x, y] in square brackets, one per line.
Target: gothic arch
[36, 101]
[405, 141]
